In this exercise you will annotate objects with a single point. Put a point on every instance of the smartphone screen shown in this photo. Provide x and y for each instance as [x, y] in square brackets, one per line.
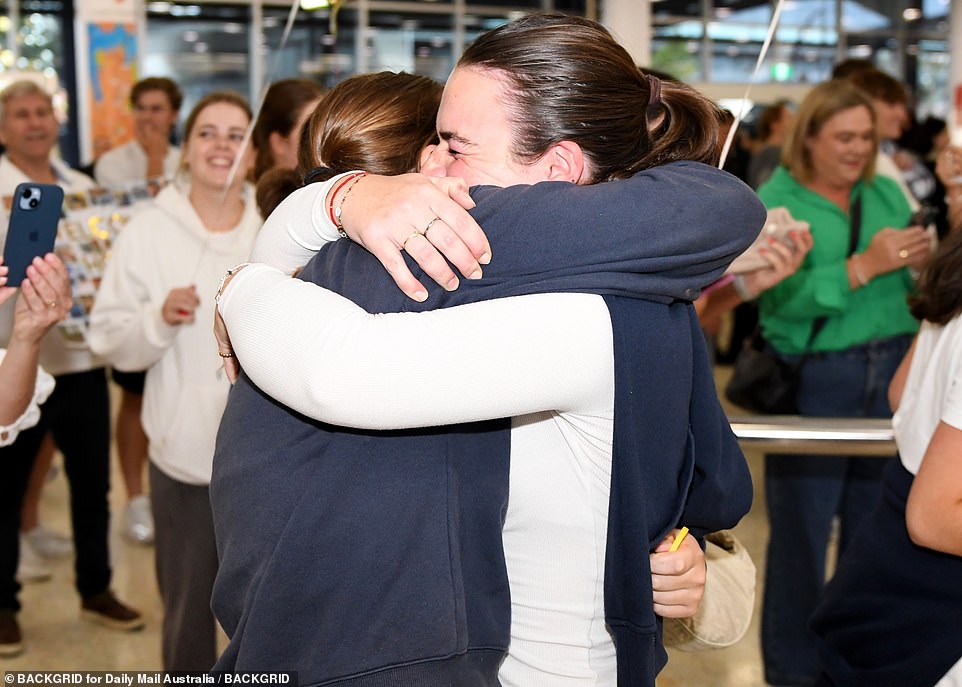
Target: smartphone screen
[35, 212]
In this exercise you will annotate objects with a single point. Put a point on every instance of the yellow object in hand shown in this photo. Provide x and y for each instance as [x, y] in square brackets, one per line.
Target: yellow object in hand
[679, 538]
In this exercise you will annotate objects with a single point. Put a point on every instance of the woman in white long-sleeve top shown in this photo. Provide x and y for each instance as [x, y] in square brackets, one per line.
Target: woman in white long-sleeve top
[153, 313]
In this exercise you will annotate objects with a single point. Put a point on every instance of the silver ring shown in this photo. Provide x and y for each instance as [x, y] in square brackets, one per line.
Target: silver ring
[428, 227]
[904, 254]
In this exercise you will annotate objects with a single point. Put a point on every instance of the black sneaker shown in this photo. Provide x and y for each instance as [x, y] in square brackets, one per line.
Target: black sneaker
[104, 609]
[11, 641]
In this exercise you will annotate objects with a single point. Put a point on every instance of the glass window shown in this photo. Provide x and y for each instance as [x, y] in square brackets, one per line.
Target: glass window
[415, 43]
[695, 40]
[932, 85]
[418, 43]
[935, 9]
[678, 28]
[34, 48]
[679, 57]
[802, 49]
[39, 35]
[35, 44]
[203, 48]
[420, 39]
[314, 48]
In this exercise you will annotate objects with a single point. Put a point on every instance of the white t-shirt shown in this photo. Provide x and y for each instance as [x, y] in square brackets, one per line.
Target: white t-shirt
[126, 164]
[932, 393]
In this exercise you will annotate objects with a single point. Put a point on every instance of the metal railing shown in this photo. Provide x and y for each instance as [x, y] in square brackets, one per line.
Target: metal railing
[817, 435]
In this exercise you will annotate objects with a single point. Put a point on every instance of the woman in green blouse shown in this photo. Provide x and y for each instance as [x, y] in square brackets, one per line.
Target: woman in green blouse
[827, 178]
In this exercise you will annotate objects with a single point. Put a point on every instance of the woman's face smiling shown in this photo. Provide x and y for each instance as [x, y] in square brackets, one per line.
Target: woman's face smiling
[476, 133]
[214, 144]
[842, 147]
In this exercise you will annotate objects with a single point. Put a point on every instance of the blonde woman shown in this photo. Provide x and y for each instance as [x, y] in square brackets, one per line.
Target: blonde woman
[153, 313]
[827, 178]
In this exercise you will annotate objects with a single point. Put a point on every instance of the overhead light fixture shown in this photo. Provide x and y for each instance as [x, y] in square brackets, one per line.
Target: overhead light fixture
[912, 13]
[311, 5]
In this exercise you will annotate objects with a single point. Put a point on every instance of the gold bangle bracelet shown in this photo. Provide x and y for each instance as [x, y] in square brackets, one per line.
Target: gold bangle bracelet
[859, 277]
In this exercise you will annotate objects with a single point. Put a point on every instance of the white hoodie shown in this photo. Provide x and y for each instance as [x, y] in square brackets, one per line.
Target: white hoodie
[165, 247]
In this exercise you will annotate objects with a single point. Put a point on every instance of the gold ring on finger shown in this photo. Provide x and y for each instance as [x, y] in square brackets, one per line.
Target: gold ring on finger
[51, 304]
[404, 245]
[428, 227]
[904, 254]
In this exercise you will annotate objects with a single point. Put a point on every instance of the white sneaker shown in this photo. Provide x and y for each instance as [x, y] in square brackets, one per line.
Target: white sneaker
[138, 522]
[48, 543]
[31, 568]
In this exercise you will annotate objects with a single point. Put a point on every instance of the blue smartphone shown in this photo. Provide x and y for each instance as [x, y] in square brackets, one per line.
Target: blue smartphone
[35, 212]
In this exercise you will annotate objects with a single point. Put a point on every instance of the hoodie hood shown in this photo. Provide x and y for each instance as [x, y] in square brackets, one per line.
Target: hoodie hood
[174, 201]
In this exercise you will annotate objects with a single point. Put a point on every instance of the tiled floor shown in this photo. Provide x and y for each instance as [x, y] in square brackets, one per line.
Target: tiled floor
[56, 639]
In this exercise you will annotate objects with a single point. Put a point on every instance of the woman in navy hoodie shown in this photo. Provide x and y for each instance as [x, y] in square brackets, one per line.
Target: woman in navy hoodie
[385, 565]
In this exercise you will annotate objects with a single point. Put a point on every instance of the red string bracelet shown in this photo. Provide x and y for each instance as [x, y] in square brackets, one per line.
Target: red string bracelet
[334, 211]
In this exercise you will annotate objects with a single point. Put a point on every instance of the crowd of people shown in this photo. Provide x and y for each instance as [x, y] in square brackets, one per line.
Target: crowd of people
[381, 467]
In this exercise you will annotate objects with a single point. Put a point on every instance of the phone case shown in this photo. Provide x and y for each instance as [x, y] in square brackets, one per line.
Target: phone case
[35, 212]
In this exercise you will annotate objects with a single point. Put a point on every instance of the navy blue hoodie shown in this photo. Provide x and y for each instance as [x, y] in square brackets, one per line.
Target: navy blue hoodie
[375, 558]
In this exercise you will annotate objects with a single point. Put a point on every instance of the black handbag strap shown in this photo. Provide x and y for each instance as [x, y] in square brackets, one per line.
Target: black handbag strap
[855, 230]
[855, 225]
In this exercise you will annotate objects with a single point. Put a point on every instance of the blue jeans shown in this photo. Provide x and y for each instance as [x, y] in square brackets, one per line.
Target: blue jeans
[805, 492]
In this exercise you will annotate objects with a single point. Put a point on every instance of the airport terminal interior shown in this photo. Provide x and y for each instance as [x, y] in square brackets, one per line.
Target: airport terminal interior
[245, 45]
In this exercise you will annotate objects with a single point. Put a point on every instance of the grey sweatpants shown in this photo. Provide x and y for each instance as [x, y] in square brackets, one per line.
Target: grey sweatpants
[186, 561]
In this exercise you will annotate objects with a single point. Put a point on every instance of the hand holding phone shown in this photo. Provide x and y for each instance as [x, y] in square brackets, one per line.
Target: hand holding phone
[34, 217]
[44, 299]
[779, 226]
[922, 217]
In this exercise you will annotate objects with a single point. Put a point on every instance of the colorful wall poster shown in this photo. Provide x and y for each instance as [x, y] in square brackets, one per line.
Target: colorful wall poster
[112, 57]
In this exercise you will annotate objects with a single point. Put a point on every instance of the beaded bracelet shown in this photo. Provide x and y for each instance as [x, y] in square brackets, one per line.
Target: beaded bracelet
[334, 211]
